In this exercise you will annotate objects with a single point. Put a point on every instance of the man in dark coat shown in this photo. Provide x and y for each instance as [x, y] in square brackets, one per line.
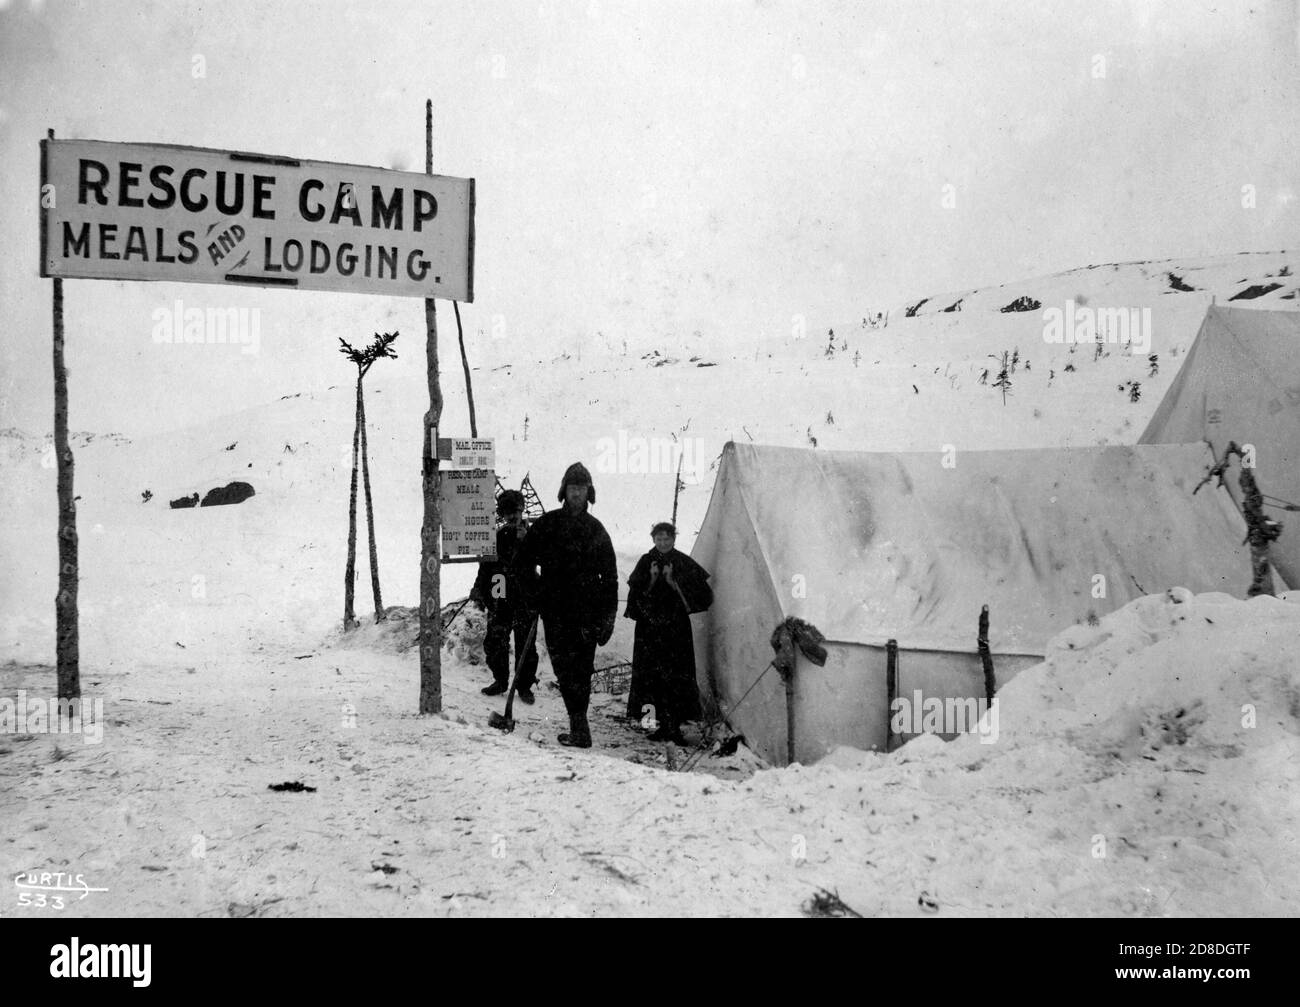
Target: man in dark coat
[498, 592]
[664, 590]
[576, 593]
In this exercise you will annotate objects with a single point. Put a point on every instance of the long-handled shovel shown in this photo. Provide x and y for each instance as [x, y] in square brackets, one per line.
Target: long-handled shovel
[506, 722]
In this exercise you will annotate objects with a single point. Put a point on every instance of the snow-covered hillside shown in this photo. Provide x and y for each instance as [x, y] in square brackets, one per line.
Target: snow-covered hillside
[272, 567]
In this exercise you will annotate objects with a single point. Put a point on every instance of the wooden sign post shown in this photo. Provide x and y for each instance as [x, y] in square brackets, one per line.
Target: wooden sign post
[67, 635]
[430, 531]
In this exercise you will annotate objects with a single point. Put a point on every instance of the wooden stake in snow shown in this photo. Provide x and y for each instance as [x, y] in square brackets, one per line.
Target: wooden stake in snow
[986, 656]
[791, 635]
[1261, 530]
[891, 690]
[430, 530]
[785, 664]
[67, 640]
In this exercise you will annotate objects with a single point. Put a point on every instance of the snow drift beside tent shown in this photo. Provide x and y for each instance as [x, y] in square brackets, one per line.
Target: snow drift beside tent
[873, 546]
[1241, 382]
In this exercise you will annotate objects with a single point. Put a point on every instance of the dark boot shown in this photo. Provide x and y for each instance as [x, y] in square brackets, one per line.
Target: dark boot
[496, 651]
[667, 732]
[573, 672]
[579, 734]
[495, 689]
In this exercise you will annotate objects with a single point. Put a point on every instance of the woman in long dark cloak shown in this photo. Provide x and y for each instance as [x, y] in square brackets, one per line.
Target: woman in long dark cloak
[664, 589]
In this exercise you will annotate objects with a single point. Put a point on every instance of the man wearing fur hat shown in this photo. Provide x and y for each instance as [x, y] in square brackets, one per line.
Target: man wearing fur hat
[576, 593]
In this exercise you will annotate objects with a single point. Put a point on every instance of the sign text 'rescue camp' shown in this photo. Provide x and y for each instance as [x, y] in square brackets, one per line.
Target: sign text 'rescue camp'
[123, 211]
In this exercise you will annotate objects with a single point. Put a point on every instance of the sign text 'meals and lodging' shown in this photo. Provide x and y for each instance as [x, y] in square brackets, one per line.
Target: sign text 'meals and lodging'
[125, 211]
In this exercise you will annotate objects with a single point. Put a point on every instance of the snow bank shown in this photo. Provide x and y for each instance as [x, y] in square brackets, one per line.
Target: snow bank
[1205, 671]
[1149, 766]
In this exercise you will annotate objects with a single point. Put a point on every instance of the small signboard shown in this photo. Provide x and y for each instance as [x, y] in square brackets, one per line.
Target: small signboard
[135, 211]
[468, 515]
[467, 453]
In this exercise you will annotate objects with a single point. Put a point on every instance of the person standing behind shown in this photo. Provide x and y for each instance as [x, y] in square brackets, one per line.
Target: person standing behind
[497, 591]
[665, 588]
[576, 594]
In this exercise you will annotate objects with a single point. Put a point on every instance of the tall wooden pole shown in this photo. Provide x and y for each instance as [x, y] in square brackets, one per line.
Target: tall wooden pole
[464, 362]
[350, 571]
[370, 516]
[430, 558]
[67, 639]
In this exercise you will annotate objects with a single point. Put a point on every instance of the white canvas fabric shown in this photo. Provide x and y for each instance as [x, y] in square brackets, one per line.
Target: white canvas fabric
[870, 546]
[1241, 382]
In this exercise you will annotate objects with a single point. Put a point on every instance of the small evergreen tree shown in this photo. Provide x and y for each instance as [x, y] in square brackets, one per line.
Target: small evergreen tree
[1003, 381]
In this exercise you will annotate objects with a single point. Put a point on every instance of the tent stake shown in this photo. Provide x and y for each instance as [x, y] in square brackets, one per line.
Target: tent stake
[783, 644]
[986, 658]
[789, 717]
[891, 690]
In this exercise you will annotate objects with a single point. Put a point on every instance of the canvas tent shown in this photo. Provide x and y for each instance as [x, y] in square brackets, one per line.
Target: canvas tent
[873, 546]
[1241, 382]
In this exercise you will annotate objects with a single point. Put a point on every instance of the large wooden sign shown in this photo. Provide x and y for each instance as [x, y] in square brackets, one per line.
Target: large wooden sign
[127, 211]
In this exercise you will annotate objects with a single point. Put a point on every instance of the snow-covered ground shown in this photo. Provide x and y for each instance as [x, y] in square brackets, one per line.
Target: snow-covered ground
[1148, 767]
[1123, 782]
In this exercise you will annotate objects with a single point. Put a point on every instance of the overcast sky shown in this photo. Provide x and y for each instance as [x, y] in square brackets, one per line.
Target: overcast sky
[653, 169]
